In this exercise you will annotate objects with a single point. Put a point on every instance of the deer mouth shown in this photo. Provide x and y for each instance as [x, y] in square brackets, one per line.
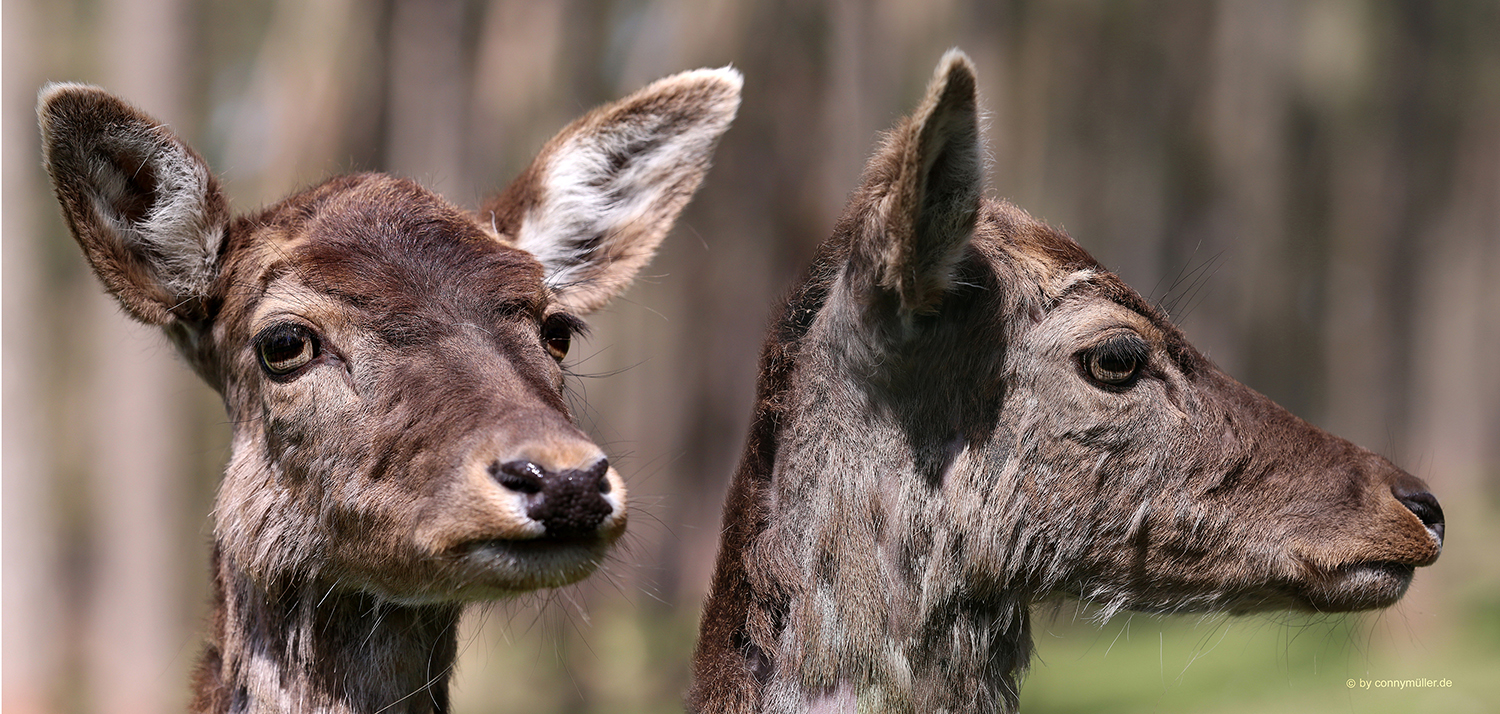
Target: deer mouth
[548, 561]
[543, 546]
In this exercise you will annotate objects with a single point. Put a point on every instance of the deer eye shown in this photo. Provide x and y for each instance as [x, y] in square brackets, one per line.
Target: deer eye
[286, 348]
[557, 335]
[1116, 361]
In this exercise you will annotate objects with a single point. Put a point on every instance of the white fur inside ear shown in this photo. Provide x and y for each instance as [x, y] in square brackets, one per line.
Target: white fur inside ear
[588, 203]
[177, 232]
[611, 189]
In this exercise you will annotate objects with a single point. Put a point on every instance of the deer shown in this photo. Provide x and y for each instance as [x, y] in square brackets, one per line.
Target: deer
[960, 413]
[391, 365]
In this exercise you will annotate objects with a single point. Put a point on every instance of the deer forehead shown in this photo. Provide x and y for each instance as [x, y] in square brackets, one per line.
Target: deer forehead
[289, 296]
[1085, 316]
[1080, 305]
[384, 249]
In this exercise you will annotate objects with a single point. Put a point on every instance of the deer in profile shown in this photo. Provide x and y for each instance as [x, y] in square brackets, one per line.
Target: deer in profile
[961, 413]
[391, 366]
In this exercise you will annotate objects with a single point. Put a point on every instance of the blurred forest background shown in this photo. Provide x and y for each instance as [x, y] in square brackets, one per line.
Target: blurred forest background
[1313, 187]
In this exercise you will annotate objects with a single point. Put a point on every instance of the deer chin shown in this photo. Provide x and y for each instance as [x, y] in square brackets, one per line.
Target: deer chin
[1355, 586]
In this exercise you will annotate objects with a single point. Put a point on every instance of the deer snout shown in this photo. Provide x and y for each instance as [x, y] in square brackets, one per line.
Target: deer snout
[1413, 494]
[568, 503]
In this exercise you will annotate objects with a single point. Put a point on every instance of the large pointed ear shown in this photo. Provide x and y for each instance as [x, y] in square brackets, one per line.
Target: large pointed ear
[914, 212]
[143, 206]
[603, 193]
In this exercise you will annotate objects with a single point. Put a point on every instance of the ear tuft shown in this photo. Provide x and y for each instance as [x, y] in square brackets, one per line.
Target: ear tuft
[144, 207]
[601, 195]
[920, 193]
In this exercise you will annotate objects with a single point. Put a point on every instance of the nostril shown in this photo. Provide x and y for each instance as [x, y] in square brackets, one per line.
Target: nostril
[522, 476]
[600, 473]
[1425, 506]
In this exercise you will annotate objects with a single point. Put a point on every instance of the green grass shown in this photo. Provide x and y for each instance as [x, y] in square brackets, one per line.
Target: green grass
[1143, 664]
[621, 662]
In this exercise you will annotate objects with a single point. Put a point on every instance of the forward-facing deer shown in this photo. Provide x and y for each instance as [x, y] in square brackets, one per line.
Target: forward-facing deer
[391, 367]
[960, 413]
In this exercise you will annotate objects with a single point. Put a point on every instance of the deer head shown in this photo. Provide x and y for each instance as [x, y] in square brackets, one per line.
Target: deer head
[961, 413]
[391, 364]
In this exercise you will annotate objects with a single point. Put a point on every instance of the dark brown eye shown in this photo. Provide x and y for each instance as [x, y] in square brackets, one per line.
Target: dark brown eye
[1116, 361]
[557, 335]
[285, 348]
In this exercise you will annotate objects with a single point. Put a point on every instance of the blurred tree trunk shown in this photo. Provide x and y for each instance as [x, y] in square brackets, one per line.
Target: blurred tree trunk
[33, 616]
[428, 92]
[291, 124]
[1456, 340]
[138, 472]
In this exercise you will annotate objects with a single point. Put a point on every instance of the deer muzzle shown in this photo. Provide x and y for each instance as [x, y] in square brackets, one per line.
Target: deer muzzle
[569, 504]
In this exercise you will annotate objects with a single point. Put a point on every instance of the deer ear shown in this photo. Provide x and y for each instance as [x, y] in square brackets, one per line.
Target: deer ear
[144, 207]
[914, 212]
[603, 193]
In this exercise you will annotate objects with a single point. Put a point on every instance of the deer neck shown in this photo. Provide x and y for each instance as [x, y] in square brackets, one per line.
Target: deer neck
[831, 596]
[307, 645]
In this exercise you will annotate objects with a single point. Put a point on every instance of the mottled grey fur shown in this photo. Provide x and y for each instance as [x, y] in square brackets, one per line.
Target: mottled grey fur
[925, 463]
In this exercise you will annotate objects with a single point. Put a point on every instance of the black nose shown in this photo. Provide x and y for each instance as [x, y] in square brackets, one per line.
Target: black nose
[1425, 505]
[569, 503]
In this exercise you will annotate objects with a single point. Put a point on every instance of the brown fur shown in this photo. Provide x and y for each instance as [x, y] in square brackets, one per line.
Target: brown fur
[406, 449]
[924, 463]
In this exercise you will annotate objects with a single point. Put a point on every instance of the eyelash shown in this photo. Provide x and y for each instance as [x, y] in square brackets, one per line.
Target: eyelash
[558, 331]
[1116, 362]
